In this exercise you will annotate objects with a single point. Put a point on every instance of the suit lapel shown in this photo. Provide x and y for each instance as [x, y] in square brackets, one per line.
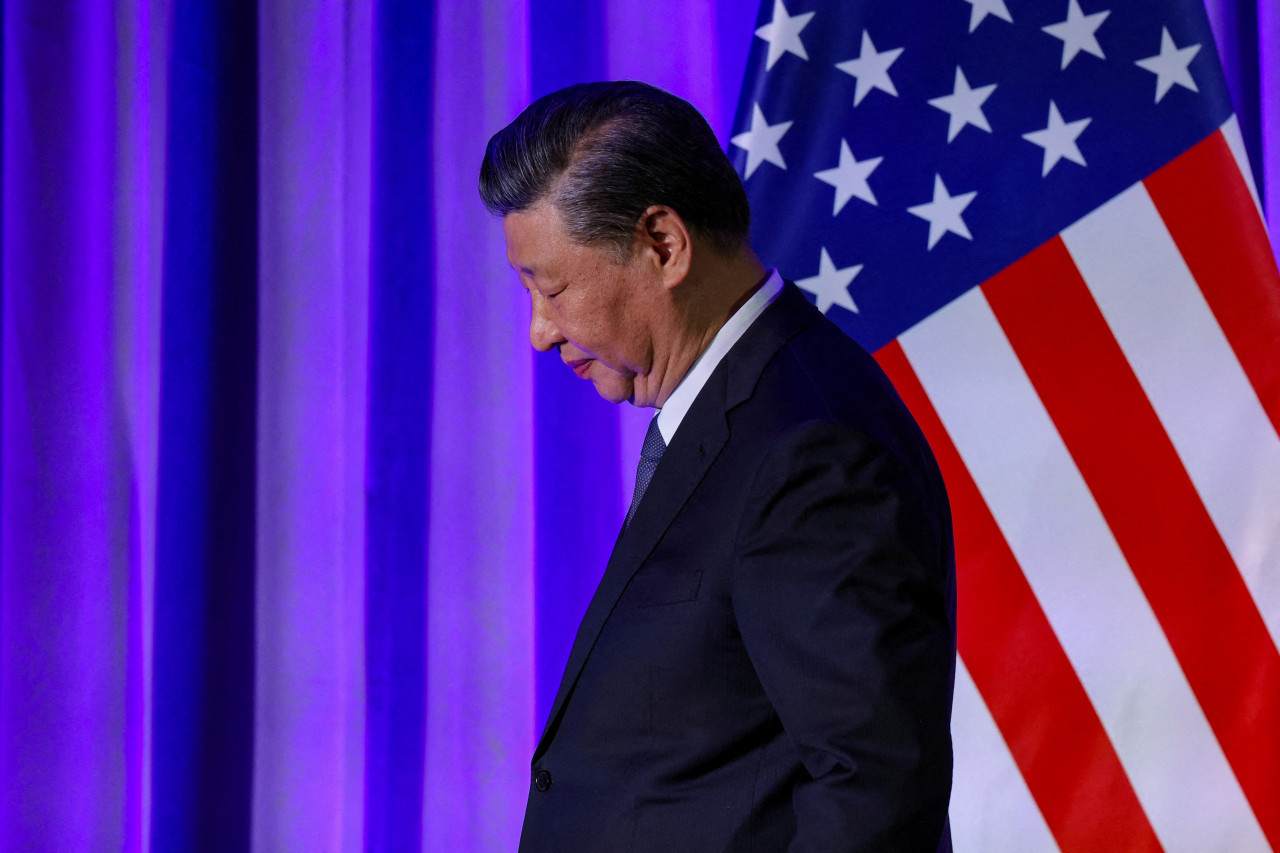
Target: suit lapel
[683, 466]
[701, 437]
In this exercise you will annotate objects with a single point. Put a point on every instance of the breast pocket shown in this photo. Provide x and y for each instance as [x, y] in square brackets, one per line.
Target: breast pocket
[653, 588]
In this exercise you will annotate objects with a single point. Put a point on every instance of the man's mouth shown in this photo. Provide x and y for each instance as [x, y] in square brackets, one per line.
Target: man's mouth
[580, 367]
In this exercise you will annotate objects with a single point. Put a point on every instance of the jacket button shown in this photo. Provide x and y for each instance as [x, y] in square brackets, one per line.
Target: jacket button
[542, 781]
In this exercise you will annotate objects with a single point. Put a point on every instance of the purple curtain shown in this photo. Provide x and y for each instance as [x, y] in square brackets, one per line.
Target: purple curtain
[295, 531]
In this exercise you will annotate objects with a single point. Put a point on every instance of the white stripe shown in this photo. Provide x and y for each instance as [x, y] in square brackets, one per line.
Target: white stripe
[1075, 568]
[1235, 141]
[1190, 374]
[991, 808]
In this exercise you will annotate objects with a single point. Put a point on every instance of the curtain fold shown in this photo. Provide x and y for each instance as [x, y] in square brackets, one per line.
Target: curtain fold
[399, 404]
[481, 633]
[295, 528]
[65, 459]
[309, 689]
[203, 658]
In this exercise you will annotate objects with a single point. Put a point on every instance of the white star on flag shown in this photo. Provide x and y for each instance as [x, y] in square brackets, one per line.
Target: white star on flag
[1170, 65]
[943, 213]
[982, 8]
[831, 285]
[761, 141]
[1077, 32]
[783, 34]
[850, 178]
[1058, 139]
[871, 68]
[964, 105]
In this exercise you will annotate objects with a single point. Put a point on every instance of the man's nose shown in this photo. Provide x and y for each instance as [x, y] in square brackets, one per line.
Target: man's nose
[543, 333]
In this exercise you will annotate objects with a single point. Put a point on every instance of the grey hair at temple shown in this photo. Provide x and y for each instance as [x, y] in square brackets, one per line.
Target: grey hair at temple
[603, 153]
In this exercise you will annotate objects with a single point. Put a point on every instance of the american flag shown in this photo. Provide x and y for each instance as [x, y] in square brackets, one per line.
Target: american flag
[1040, 217]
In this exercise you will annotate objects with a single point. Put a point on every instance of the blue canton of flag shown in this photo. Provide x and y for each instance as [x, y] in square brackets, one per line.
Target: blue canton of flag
[899, 153]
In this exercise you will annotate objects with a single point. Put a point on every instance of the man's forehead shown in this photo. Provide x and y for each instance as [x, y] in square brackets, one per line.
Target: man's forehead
[515, 229]
[519, 264]
[532, 234]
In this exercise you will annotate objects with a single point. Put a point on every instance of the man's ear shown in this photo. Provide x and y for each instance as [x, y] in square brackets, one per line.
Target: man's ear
[664, 234]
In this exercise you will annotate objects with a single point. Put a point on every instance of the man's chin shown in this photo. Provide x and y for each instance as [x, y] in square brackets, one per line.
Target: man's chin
[615, 389]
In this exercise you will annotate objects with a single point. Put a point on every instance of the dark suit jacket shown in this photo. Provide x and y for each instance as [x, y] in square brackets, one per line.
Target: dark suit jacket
[767, 663]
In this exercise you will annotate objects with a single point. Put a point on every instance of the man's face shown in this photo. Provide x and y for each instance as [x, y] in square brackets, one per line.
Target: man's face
[596, 311]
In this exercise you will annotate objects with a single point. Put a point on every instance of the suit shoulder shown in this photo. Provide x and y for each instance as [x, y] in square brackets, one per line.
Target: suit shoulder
[824, 373]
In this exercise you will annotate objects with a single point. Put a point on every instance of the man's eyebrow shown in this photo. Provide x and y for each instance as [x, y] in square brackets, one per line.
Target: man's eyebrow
[523, 277]
[519, 269]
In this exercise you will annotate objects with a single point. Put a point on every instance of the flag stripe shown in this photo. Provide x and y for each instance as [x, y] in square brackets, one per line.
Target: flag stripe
[1176, 554]
[1225, 245]
[1187, 368]
[1019, 667]
[1071, 562]
[991, 808]
[1230, 131]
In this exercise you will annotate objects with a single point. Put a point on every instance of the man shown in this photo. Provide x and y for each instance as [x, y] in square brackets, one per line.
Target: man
[767, 662]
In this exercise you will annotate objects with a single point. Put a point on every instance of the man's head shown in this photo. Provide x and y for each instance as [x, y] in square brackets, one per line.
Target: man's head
[607, 191]
[603, 153]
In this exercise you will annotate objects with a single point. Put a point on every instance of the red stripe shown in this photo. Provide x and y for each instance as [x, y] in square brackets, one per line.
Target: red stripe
[1020, 668]
[1152, 508]
[1206, 206]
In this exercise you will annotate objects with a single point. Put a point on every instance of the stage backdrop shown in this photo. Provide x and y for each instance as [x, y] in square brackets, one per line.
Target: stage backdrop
[295, 530]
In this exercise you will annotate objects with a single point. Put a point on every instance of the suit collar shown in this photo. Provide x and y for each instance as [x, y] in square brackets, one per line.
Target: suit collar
[789, 314]
[702, 435]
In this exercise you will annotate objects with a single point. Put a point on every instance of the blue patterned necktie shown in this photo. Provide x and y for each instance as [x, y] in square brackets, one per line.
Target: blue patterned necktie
[650, 453]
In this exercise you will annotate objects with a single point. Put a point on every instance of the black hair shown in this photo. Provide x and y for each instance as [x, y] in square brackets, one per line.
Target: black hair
[602, 153]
